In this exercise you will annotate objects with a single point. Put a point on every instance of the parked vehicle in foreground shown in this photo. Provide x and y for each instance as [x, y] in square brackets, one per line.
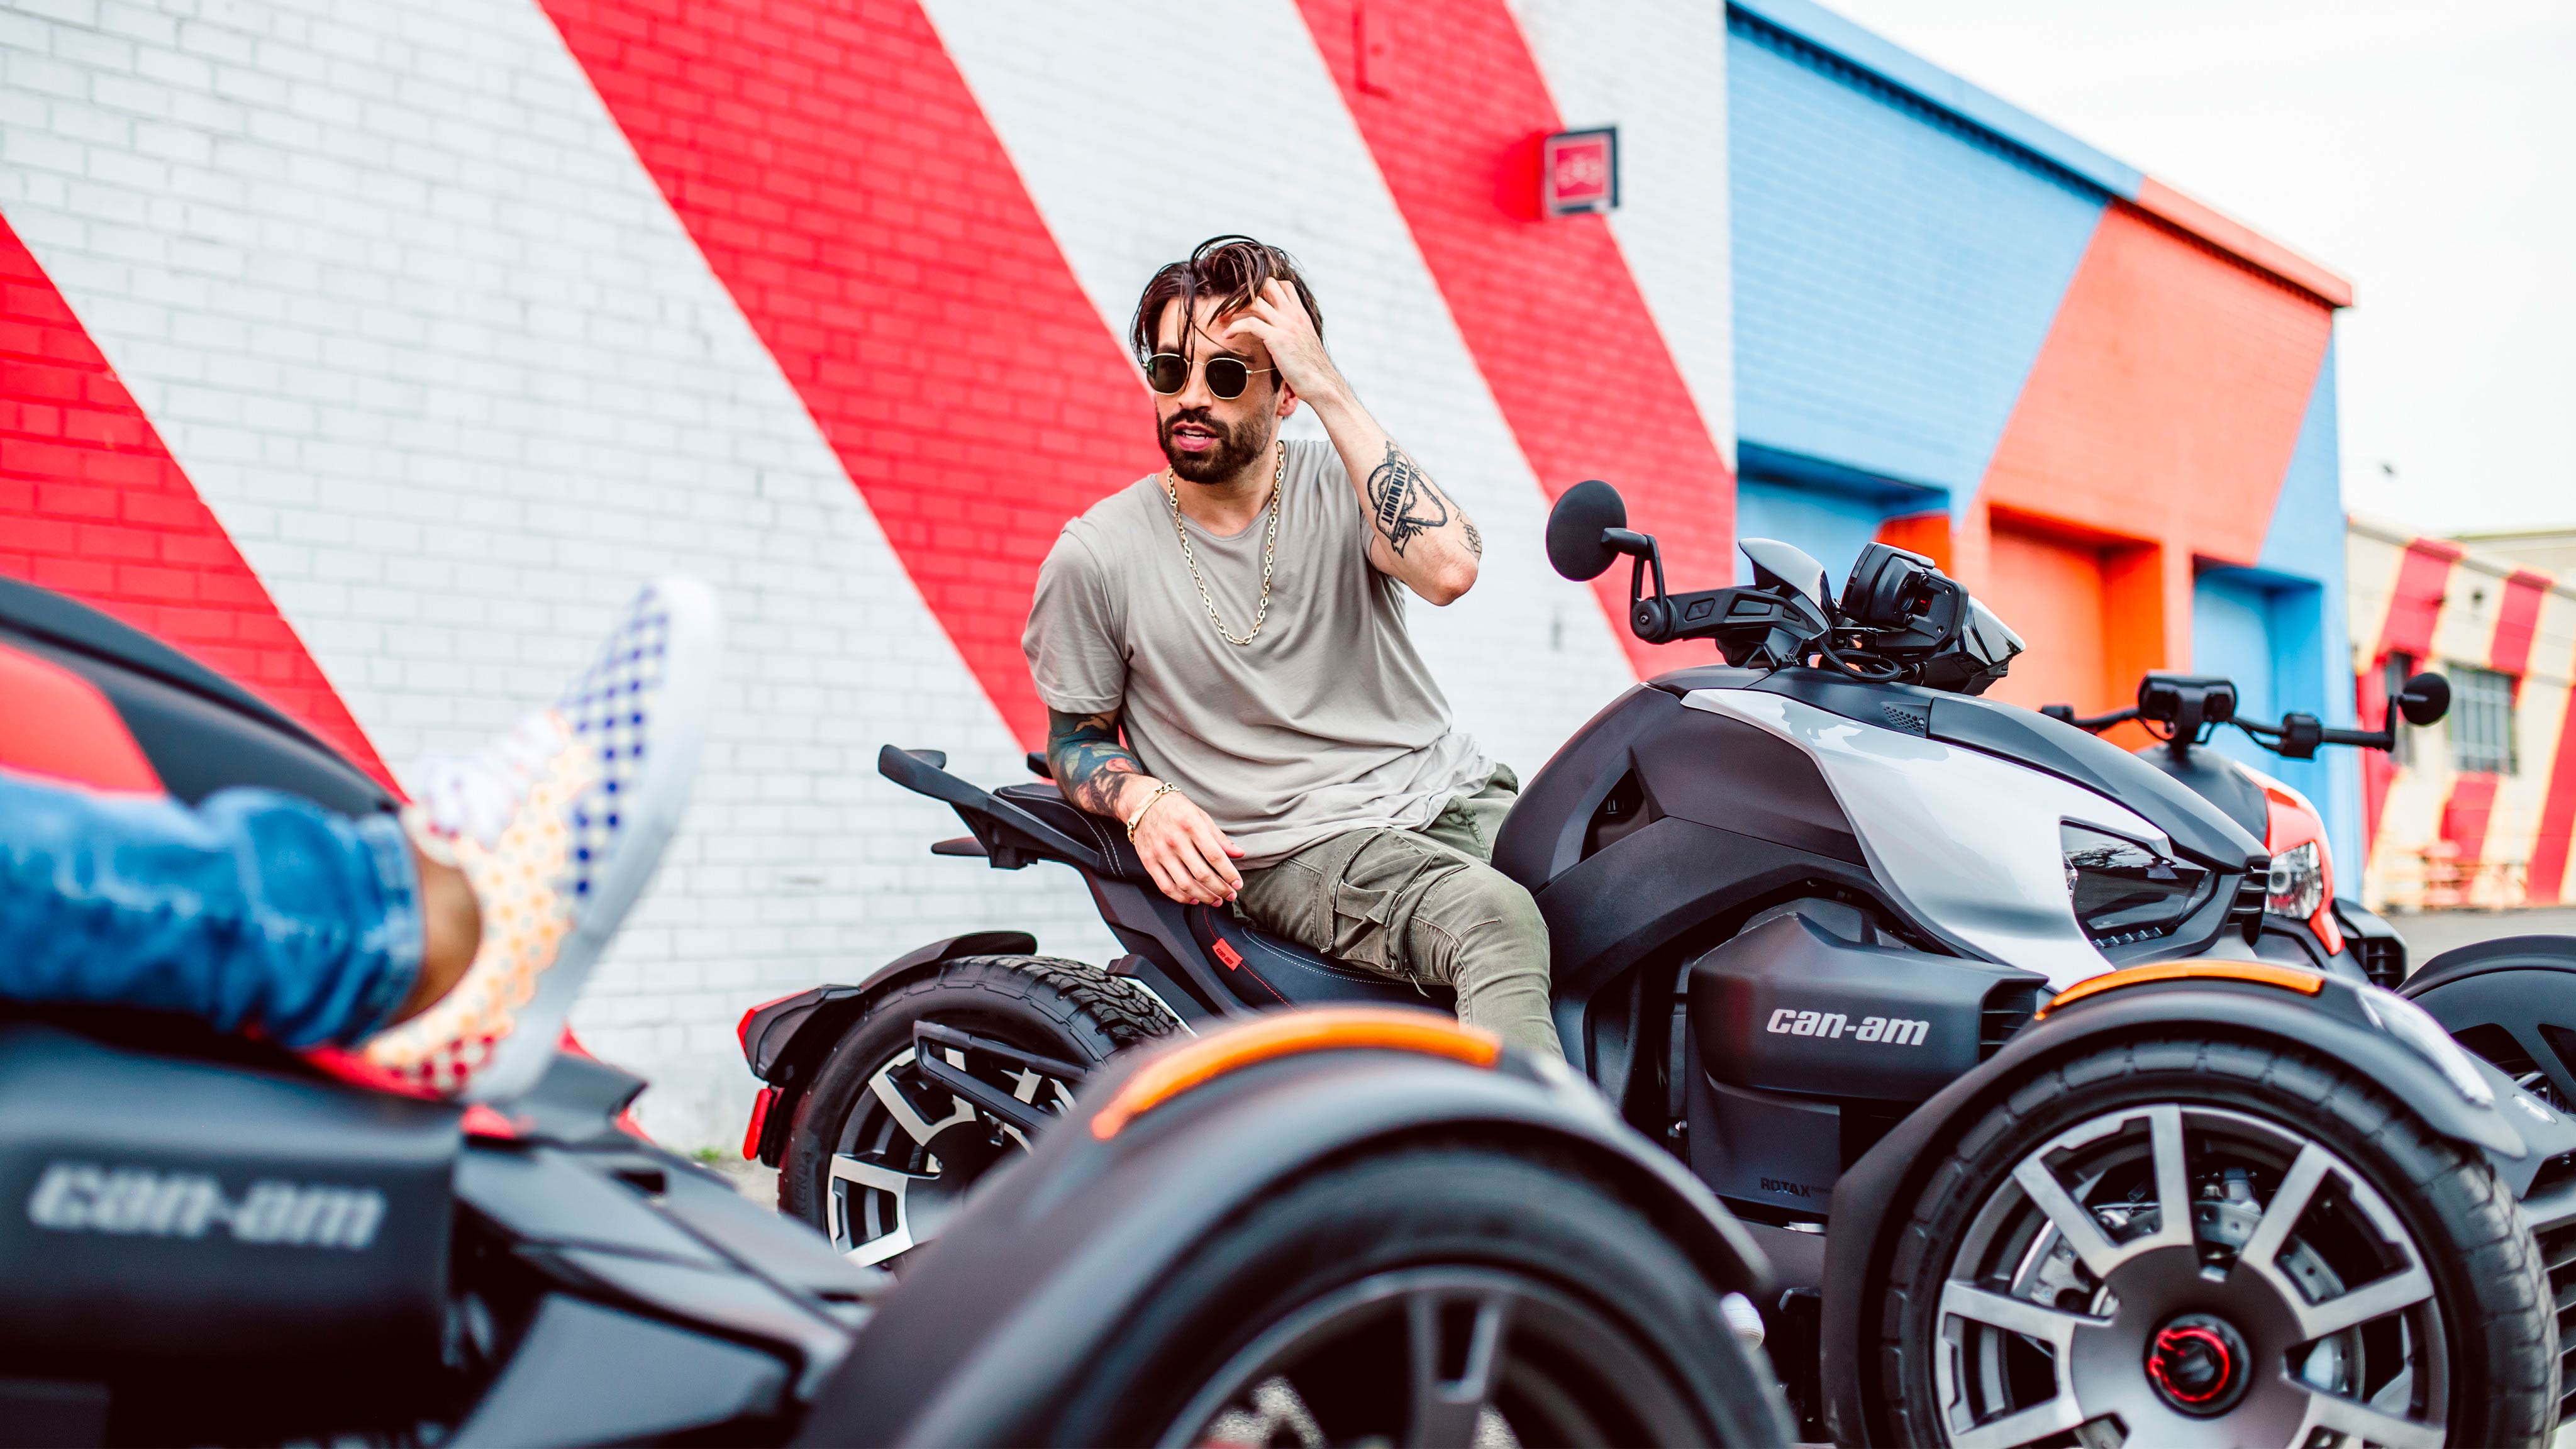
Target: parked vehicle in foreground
[210, 1240]
[1957, 1005]
[2304, 921]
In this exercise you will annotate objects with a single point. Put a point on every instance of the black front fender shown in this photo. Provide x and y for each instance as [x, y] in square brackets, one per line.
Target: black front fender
[992, 1329]
[1878, 1189]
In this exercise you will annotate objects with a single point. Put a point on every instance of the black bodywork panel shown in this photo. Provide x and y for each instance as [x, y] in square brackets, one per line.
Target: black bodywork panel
[2215, 778]
[155, 1207]
[773, 1033]
[1805, 1044]
[1787, 1006]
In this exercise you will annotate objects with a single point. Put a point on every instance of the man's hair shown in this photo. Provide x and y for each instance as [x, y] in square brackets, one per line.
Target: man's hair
[1232, 269]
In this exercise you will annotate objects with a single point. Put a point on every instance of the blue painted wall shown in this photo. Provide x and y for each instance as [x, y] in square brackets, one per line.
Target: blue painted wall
[1895, 270]
[1833, 527]
[2313, 641]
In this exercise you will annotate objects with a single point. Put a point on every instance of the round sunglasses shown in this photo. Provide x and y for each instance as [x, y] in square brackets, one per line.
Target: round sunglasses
[1169, 372]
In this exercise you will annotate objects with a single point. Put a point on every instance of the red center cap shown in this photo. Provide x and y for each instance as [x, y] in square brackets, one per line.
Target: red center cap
[2196, 1362]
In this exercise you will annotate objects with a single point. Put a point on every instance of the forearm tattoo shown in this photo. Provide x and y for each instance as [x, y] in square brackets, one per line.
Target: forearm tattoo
[1404, 500]
[1475, 540]
[1090, 766]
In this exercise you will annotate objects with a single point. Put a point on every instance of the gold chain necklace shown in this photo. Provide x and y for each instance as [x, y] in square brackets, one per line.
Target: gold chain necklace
[1269, 549]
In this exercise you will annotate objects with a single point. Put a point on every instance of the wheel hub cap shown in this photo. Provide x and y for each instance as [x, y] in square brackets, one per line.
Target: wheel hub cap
[2198, 1362]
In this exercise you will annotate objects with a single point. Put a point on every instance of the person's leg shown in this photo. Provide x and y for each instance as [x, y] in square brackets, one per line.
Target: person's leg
[1404, 904]
[1470, 823]
[255, 909]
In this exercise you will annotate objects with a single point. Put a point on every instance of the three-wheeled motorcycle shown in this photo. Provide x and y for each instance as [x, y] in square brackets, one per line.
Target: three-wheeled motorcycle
[1317, 1228]
[1959, 1007]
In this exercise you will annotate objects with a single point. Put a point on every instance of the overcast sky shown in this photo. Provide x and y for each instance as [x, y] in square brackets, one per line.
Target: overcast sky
[2426, 151]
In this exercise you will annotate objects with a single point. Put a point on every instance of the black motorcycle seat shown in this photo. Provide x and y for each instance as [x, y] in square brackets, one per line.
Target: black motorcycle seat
[1266, 970]
[1048, 804]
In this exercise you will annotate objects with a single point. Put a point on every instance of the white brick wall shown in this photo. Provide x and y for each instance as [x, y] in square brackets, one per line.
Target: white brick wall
[410, 314]
[407, 310]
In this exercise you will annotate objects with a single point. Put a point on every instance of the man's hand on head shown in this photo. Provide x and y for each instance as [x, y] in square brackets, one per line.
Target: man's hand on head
[1278, 321]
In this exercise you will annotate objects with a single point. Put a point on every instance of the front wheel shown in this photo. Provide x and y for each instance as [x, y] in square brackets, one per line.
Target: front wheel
[880, 1153]
[1434, 1295]
[2177, 1242]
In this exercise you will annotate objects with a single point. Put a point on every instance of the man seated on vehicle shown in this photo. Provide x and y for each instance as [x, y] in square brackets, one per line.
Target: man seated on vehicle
[1240, 616]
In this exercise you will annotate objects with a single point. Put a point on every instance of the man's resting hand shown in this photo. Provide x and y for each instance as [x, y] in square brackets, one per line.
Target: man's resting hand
[1189, 858]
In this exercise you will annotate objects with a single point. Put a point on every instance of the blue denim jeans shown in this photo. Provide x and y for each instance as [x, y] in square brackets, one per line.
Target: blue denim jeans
[252, 910]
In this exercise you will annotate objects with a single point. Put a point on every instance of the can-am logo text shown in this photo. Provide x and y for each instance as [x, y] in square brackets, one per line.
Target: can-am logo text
[1884, 1030]
[82, 1197]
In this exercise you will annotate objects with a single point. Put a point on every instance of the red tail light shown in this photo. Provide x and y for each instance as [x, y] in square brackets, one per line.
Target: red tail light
[761, 1102]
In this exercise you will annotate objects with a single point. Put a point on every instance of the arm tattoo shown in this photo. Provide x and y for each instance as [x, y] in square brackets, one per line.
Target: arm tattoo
[1404, 501]
[1090, 766]
[1475, 540]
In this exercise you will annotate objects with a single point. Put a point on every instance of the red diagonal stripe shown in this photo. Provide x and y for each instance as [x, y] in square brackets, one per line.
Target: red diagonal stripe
[2414, 607]
[2517, 621]
[1454, 110]
[830, 163]
[2546, 884]
[92, 505]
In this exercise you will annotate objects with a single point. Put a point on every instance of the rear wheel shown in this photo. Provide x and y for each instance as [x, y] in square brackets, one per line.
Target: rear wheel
[1440, 1295]
[2187, 1242]
[879, 1153]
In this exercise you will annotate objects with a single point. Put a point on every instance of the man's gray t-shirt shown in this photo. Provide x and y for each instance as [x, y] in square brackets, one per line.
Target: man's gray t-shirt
[1328, 721]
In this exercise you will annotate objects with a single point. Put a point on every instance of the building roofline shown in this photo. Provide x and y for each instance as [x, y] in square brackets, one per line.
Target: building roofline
[1991, 113]
[2462, 549]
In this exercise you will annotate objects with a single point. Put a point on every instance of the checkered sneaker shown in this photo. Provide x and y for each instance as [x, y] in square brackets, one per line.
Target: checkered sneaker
[558, 823]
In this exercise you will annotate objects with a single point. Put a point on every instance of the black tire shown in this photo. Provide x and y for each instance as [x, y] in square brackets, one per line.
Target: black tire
[2488, 1314]
[1041, 1004]
[1611, 1334]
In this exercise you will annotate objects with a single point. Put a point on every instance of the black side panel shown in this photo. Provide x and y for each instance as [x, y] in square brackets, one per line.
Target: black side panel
[2215, 778]
[1723, 772]
[199, 742]
[592, 1375]
[1542, 838]
[1654, 887]
[1788, 1007]
[162, 1208]
[2198, 828]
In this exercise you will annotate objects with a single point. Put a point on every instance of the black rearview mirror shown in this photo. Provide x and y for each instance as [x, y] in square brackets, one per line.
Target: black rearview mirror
[1576, 545]
[2425, 699]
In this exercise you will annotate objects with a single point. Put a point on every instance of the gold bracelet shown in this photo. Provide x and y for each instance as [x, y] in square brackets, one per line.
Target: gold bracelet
[1161, 790]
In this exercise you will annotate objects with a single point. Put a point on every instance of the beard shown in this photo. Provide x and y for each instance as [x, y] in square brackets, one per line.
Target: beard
[1236, 446]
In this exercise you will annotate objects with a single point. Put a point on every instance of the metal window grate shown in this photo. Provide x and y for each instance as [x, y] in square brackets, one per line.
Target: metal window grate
[2482, 734]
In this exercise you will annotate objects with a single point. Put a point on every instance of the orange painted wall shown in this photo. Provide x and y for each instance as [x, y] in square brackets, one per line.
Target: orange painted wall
[2050, 591]
[2159, 418]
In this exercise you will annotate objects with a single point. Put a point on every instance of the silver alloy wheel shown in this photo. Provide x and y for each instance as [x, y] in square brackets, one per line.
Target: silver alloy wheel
[2170, 1274]
[1450, 1356]
[911, 1148]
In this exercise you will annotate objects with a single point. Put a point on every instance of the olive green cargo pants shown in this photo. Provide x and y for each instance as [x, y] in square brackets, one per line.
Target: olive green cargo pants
[1422, 905]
